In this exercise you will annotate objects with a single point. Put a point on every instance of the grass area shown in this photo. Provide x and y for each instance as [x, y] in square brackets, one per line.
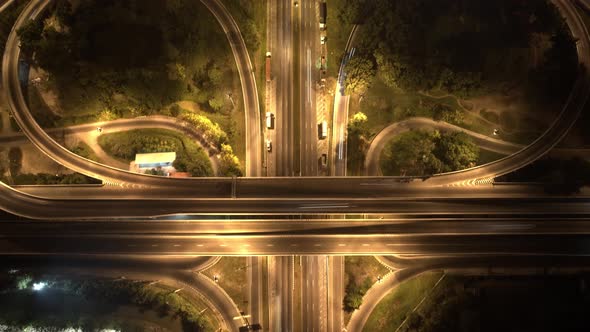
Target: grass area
[337, 34]
[50, 179]
[233, 278]
[504, 303]
[124, 61]
[253, 14]
[83, 150]
[486, 156]
[511, 83]
[384, 105]
[233, 126]
[190, 157]
[95, 303]
[361, 273]
[7, 19]
[396, 306]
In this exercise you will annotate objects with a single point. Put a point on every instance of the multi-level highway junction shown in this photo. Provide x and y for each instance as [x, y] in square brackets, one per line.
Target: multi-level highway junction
[453, 196]
[447, 220]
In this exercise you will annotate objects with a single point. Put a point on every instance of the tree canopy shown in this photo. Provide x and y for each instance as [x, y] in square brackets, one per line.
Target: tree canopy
[422, 153]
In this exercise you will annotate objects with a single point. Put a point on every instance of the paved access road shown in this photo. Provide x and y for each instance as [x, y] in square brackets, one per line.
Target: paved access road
[248, 81]
[380, 141]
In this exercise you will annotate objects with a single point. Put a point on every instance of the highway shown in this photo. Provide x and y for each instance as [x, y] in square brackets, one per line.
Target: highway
[335, 293]
[309, 78]
[280, 271]
[314, 292]
[256, 273]
[281, 33]
[35, 207]
[504, 237]
[281, 284]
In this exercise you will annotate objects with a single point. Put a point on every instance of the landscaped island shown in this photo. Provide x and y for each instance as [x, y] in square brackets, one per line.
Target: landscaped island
[498, 68]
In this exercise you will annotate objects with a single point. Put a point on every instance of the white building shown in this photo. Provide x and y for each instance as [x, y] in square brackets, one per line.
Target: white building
[148, 161]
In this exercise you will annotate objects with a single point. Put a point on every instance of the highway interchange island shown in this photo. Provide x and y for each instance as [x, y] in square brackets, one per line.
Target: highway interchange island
[310, 165]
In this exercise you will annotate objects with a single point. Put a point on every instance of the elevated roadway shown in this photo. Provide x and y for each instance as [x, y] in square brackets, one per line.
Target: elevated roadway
[518, 236]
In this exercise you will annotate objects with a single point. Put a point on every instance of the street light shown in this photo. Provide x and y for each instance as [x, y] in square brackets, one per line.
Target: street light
[39, 286]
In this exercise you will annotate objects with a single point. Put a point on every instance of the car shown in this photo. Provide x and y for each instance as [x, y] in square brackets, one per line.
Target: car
[296, 4]
[269, 120]
[323, 40]
[324, 159]
[268, 145]
[99, 129]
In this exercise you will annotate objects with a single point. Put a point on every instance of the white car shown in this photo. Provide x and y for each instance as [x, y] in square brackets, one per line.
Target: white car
[323, 40]
[268, 145]
[269, 120]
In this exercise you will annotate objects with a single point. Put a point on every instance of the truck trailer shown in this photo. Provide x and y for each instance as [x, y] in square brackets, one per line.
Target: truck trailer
[323, 13]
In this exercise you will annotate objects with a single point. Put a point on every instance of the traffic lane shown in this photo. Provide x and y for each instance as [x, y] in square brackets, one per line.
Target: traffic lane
[400, 226]
[286, 263]
[374, 244]
[335, 293]
[128, 262]
[301, 187]
[41, 208]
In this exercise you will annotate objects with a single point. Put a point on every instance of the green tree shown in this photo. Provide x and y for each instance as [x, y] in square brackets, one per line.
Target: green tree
[229, 163]
[423, 153]
[456, 151]
[359, 74]
[15, 160]
[23, 281]
[412, 153]
[446, 113]
[30, 36]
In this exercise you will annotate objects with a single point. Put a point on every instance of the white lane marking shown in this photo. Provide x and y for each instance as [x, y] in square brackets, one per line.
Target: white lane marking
[309, 75]
[324, 207]
[341, 143]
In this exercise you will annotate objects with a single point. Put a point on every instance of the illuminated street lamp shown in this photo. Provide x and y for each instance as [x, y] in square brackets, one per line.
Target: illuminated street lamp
[38, 286]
